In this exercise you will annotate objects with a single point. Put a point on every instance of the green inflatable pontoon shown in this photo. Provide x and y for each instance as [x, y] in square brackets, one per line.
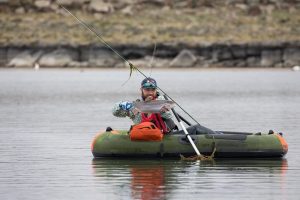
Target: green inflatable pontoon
[114, 143]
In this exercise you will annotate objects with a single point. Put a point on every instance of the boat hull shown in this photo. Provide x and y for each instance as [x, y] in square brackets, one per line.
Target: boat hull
[227, 144]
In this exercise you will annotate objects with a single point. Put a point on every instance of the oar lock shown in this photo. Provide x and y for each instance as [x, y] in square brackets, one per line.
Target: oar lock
[272, 132]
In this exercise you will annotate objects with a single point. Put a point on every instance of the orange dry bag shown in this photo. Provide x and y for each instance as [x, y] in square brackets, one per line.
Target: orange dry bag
[145, 131]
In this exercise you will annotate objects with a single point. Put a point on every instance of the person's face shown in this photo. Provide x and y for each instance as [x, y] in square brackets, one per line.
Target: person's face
[149, 93]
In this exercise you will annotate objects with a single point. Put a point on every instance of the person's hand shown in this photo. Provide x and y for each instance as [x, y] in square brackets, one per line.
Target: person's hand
[165, 108]
[126, 105]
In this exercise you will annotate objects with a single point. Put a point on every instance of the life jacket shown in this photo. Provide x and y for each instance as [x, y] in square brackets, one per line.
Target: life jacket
[156, 119]
[145, 131]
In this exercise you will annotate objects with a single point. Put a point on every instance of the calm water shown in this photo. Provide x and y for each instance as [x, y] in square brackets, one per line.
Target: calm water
[48, 119]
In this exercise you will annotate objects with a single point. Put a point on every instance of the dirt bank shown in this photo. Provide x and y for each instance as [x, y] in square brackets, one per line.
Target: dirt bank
[219, 33]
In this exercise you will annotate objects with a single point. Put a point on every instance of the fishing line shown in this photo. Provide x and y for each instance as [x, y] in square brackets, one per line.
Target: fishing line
[152, 59]
[132, 67]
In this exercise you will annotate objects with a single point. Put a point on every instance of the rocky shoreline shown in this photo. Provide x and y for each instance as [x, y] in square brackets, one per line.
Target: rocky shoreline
[277, 55]
[253, 7]
[188, 33]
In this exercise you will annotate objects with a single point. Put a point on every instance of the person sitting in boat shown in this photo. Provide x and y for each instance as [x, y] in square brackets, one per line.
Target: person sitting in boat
[162, 120]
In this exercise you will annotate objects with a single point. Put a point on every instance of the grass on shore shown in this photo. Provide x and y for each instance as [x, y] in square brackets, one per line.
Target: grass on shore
[219, 25]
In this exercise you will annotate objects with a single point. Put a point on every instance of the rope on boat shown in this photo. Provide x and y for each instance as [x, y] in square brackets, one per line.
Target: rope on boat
[201, 156]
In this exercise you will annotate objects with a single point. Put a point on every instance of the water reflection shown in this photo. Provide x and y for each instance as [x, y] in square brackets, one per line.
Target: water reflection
[145, 178]
[157, 179]
[147, 182]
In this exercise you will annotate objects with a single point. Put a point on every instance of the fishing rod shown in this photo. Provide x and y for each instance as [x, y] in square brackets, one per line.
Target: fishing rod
[152, 59]
[132, 67]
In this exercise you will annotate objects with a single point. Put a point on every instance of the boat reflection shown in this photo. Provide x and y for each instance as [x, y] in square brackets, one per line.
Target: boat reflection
[155, 179]
[146, 178]
[147, 182]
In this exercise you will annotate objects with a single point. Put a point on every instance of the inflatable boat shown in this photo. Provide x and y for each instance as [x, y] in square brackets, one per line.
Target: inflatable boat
[117, 143]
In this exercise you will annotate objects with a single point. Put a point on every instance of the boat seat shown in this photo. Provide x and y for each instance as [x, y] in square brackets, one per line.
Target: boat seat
[195, 130]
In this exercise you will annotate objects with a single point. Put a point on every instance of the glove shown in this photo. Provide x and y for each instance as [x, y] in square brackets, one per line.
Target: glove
[126, 105]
